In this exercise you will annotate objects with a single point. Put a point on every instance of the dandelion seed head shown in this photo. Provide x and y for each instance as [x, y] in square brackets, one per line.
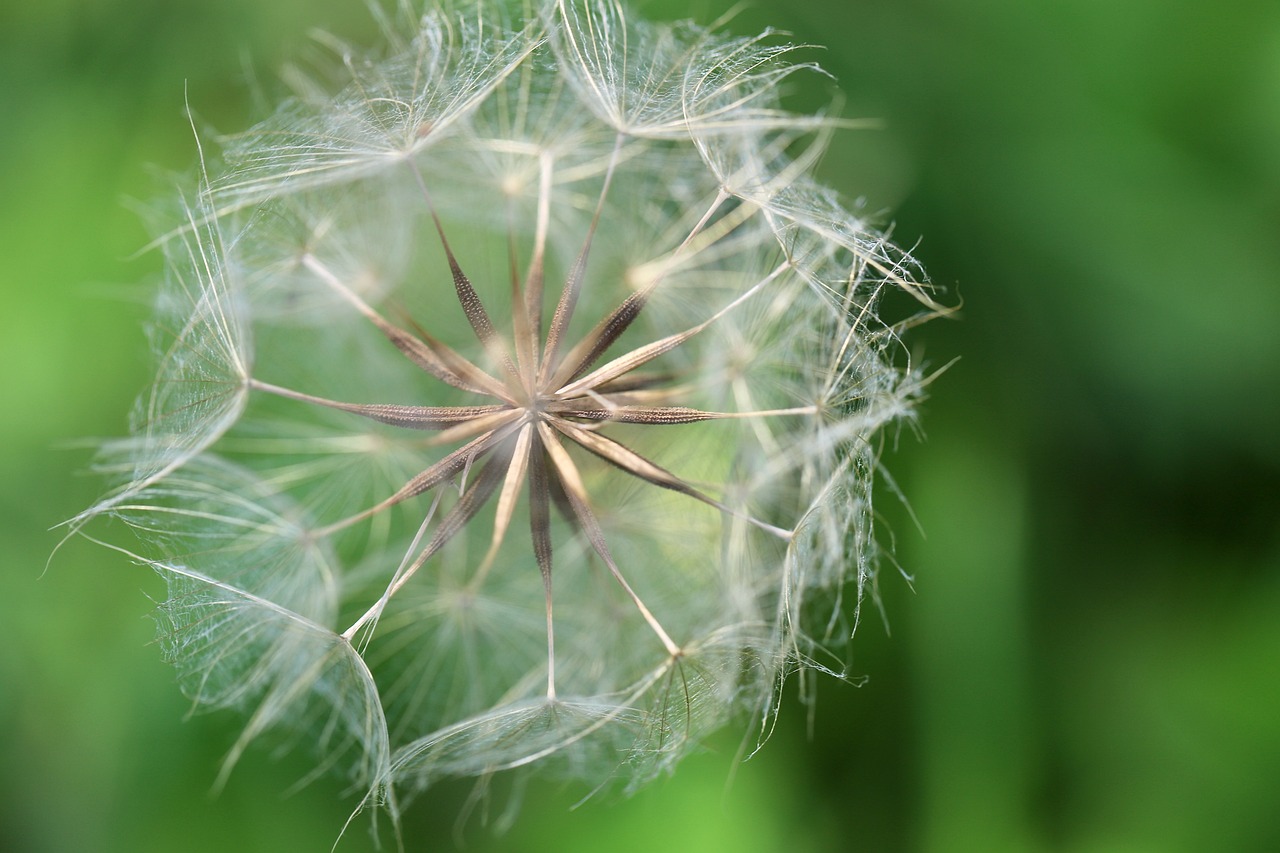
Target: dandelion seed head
[519, 401]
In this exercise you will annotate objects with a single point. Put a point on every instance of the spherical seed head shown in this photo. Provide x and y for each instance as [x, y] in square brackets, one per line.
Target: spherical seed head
[562, 410]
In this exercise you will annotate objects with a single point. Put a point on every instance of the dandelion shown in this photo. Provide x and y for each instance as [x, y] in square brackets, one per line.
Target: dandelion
[518, 405]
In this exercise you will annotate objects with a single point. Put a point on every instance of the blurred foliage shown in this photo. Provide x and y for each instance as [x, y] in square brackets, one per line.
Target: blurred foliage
[1088, 658]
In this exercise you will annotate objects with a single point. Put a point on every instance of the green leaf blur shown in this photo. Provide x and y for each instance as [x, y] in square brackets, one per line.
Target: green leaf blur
[1086, 658]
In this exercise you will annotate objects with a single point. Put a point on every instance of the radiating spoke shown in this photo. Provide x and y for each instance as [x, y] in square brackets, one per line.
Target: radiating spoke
[529, 332]
[504, 417]
[569, 296]
[470, 301]
[561, 500]
[597, 342]
[589, 410]
[641, 356]
[576, 492]
[418, 351]
[540, 528]
[590, 348]
[526, 366]
[480, 381]
[632, 382]
[636, 465]
[410, 417]
[471, 502]
[659, 415]
[442, 471]
[506, 501]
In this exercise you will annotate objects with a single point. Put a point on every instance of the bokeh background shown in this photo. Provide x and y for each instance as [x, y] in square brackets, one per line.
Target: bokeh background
[1088, 658]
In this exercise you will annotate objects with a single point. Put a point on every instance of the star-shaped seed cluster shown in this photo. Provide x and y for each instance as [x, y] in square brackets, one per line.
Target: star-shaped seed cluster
[569, 274]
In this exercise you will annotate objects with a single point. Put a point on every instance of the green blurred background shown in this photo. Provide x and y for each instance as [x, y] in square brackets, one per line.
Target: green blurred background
[1090, 657]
